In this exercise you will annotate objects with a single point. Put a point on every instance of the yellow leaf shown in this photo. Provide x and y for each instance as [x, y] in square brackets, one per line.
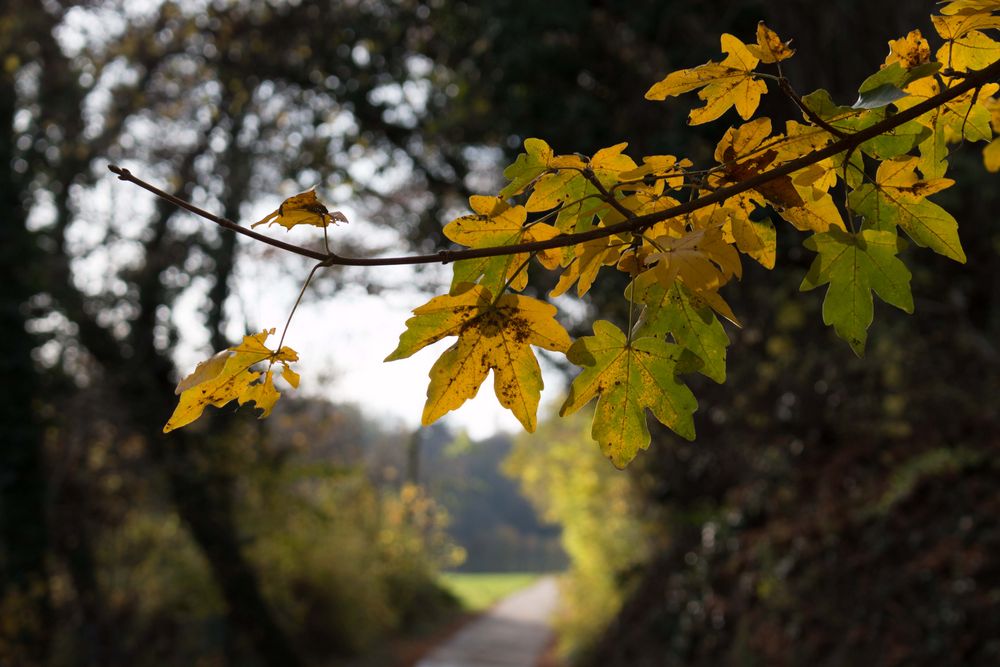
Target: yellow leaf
[701, 258]
[227, 376]
[769, 47]
[965, 49]
[723, 85]
[819, 215]
[590, 257]
[494, 223]
[991, 155]
[909, 51]
[967, 117]
[302, 209]
[491, 336]
[955, 27]
[665, 168]
[971, 7]
[744, 154]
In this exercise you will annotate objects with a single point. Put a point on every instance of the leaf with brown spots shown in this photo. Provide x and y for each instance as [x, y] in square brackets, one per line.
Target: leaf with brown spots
[769, 47]
[227, 376]
[302, 209]
[492, 335]
[627, 377]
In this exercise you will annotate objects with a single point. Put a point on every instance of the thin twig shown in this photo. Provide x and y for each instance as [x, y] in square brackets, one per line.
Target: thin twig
[607, 196]
[636, 224]
[786, 88]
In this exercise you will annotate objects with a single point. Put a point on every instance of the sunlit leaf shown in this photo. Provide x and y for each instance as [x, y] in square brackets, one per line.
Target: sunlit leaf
[769, 47]
[492, 335]
[730, 83]
[688, 319]
[302, 209]
[493, 224]
[897, 197]
[627, 378]
[228, 376]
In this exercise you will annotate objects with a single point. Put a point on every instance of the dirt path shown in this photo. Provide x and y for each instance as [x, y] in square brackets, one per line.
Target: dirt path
[514, 633]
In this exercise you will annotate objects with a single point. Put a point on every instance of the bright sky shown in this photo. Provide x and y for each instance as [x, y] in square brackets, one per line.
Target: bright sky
[341, 340]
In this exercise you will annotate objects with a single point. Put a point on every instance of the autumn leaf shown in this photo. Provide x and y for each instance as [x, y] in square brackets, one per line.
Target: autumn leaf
[966, 47]
[970, 7]
[569, 184]
[583, 269]
[769, 47]
[909, 51]
[491, 336]
[666, 168]
[730, 83]
[742, 157]
[227, 376]
[302, 209]
[854, 266]
[688, 319]
[700, 258]
[494, 223]
[626, 378]
[537, 159]
[898, 197]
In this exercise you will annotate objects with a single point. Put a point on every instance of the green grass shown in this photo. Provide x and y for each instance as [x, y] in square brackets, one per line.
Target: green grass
[479, 591]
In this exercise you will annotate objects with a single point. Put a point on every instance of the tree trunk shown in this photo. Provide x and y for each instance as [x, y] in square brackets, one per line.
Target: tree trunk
[23, 521]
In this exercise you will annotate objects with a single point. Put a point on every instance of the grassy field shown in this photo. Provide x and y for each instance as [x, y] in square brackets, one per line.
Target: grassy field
[479, 591]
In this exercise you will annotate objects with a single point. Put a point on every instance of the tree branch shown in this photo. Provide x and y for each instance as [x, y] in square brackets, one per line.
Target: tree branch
[635, 224]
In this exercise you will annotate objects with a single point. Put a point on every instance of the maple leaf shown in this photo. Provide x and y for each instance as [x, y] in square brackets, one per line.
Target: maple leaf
[700, 258]
[897, 197]
[970, 7]
[909, 51]
[494, 223]
[583, 269]
[730, 83]
[679, 312]
[769, 47]
[227, 376]
[626, 378]
[537, 159]
[854, 265]
[966, 47]
[304, 208]
[742, 157]
[569, 184]
[492, 335]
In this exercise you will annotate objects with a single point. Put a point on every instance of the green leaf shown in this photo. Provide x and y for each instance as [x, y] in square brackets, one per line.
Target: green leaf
[854, 266]
[693, 325]
[627, 378]
[898, 198]
[886, 86]
[527, 167]
[878, 97]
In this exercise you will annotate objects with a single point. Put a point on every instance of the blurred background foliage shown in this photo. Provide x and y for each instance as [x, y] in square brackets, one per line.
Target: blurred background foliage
[833, 511]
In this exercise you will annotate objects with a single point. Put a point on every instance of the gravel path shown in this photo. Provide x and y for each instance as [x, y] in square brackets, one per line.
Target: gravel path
[514, 633]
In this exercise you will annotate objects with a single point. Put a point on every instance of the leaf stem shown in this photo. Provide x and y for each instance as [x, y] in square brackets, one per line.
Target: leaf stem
[298, 300]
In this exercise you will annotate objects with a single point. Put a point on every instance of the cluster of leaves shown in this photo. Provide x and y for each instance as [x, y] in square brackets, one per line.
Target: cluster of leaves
[579, 215]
